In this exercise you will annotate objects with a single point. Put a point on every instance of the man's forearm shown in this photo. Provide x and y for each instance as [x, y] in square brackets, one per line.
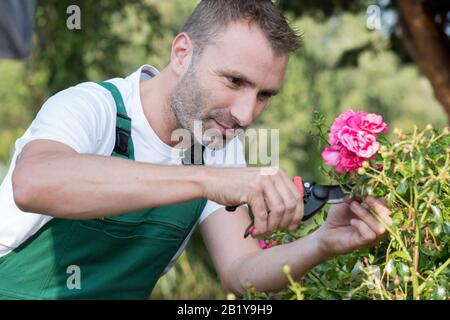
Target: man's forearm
[85, 186]
[263, 269]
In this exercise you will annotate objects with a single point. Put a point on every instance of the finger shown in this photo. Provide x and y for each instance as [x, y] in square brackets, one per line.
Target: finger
[292, 187]
[260, 214]
[367, 217]
[296, 186]
[290, 199]
[298, 216]
[300, 209]
[366, 235]
[275, 204]
[380, 209]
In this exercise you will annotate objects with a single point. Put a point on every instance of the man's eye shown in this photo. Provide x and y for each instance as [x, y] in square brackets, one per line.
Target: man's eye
[265, 95]
[236, 82]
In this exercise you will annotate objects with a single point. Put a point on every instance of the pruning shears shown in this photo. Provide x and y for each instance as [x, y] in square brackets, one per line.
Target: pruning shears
[315, 196]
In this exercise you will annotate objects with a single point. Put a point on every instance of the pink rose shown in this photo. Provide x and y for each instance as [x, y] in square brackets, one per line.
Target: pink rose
[349, 161]
[338, 124]
[353, 139]
[331, 155]
[359, 120]
[356, 120]
[373, 123]
[369, 122]
[363, 144]
[341, 158]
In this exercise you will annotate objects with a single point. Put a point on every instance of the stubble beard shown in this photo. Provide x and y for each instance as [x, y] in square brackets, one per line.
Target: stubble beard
[188, 102]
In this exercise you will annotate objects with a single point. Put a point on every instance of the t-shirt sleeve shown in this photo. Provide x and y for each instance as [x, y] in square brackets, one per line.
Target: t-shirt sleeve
[79, 117]
[231, 156]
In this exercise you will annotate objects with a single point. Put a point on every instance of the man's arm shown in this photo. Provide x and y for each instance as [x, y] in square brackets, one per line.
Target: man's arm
[52, 178]
[239, 261]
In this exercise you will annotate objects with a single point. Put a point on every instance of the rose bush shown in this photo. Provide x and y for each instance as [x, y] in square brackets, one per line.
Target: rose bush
[412, 174]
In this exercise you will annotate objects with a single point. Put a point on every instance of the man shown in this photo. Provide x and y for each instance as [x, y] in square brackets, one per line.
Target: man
[75, 201]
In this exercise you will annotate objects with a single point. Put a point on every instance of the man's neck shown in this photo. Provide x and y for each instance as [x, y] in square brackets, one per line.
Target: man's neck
[154, 94]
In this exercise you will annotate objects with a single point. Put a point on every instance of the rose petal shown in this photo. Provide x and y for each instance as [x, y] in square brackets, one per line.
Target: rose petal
[331, 156]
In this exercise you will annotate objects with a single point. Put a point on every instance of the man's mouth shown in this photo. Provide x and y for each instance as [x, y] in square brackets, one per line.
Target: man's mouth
[221, 127]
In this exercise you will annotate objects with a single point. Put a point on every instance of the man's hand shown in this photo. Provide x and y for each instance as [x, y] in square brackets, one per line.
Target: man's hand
[275, 200]
[352, 226]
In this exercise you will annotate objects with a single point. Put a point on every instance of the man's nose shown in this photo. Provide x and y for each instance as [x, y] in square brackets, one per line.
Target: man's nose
[243, 111]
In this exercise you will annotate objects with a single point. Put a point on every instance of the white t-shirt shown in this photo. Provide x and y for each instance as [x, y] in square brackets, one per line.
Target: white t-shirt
[84, 118]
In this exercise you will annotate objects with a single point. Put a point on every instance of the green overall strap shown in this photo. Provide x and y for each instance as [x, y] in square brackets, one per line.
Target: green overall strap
[123, 147]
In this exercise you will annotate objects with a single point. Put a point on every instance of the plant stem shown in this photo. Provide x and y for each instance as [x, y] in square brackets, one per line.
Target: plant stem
[434, 275]
[415, 281]
[394, 234]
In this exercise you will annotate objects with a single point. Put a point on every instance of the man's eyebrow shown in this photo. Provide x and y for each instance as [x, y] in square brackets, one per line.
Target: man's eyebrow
[243, 78]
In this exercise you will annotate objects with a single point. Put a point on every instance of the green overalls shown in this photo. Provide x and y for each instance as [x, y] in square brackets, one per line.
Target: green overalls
[118, 257]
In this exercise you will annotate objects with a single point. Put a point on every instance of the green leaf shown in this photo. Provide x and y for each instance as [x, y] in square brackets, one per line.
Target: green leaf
[287, 238]
[369, 190]
[437, 188]
[390, 199]
[402, 187]
[381, 138]
[437, 215]
[436, 150]
[400, 254]
[447, 227]
[446, 202]
[402, 269]
[390, 268]
[397, 218]
[440, 293]
[436, 229]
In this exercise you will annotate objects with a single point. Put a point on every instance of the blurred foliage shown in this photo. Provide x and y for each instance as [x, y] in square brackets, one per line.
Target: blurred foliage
[111, 32]
[325, 75]
[322, 10]
[15, 108]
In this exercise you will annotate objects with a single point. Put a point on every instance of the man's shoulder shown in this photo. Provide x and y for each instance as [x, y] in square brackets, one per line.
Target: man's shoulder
[92, 93]
[84, 98]
[95, 90]
[90, 96]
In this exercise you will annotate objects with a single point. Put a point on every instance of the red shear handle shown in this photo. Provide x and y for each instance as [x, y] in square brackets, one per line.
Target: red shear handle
[299, 184]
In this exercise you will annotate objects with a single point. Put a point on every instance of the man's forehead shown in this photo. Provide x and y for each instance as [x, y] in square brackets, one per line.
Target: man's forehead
[244, 48]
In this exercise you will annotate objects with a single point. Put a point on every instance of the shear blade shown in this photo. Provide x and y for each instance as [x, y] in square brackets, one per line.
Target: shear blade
[336, 195]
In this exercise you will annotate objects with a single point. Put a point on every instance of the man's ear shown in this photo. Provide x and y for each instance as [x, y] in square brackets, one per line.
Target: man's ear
[181, 53]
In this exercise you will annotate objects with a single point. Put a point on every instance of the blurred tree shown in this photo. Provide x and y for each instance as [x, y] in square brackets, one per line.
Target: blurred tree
[426, 35]
[109, 29]
[15, 108]
[422, 27]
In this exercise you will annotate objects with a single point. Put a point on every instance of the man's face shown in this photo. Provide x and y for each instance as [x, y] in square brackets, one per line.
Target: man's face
[230, 83]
